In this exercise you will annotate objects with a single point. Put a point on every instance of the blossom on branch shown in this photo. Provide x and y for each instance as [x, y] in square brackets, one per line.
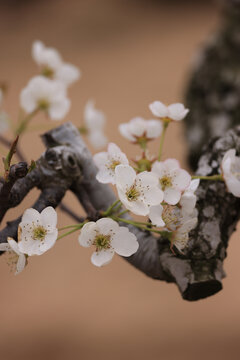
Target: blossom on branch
[47, 95]
[137, 191]
[175, 112]
[52, 65]
[107, 162]
[140, 131]
[16, 258]
[172, 179]
[95, 120]
[38, 232]
[180, 236]
[188, 199]
[107, 237]
[231, 172]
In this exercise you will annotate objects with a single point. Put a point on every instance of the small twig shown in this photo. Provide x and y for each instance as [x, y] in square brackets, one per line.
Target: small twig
[8, 144]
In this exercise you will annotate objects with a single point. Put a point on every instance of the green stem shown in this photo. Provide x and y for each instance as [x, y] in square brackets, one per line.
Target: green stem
[165, 125]
[122, 213]
[72, 231]
[111, 207]
[137, 224]
[24, 123]
[212, 177]
[69, 227]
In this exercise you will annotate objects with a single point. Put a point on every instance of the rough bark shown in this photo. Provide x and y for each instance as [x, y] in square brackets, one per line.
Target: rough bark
[213, 91]
[67, 164]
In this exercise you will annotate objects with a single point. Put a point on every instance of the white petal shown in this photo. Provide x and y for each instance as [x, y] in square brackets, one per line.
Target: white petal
[138, 207]
[154, 129]
[159, 109]
[97, 139]
[124, 242]
[94, 118]
[137, 126]
[181, 179]
[68, 74]
[107, 226]
[49, 241]
[153, 196]
[194, 185]
[20, 264]
[49, 218]
[159, 169]
[171, 164]
[155, 215]
[125, 176]
[125, 132]
[101, 159]
[177, 111]
[5, 247]
[172, 196]
[102, 257]
[14, 246]
[31, 216]
[87, 234]
[59, 109]
[106, 176]
[233, 186]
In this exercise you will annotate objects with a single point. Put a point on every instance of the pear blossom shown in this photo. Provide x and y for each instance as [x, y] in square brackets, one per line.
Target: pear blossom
[95, 120]
[107, 237]
[107, 162]
[38, 232]
[172, 179]
[175, 112]
[231, 172]
[137, 191]
[188, 199]
[155, 215]
[180, 236]
[48, 95]
[52, 64]
[138, 129]
[16, 258]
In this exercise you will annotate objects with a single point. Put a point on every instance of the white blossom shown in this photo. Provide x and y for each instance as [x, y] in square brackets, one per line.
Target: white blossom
[231, 172]
[139, 129]
[175, 112]
[188, 199]
[52, 64]
[95, 120]
[107, 162]
[48, 95]
[107, 237]
[16, 258]
[180, 236]
[172, 179]
[38, 232]
[137, 191]
[155, 215]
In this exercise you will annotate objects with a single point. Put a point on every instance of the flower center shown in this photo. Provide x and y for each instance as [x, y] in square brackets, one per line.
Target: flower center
[165, 182]
[171, 216]
[132, 193]
[48, 72]
[43, 104]
[113, 164]
[39, 233]
[102, 242]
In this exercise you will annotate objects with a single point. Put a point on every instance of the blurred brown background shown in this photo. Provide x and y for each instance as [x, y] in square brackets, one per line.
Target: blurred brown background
[62, 307]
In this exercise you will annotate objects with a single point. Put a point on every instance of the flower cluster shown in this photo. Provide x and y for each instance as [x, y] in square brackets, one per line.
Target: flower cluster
[37, 233]
[48, 91]
[158, 189]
